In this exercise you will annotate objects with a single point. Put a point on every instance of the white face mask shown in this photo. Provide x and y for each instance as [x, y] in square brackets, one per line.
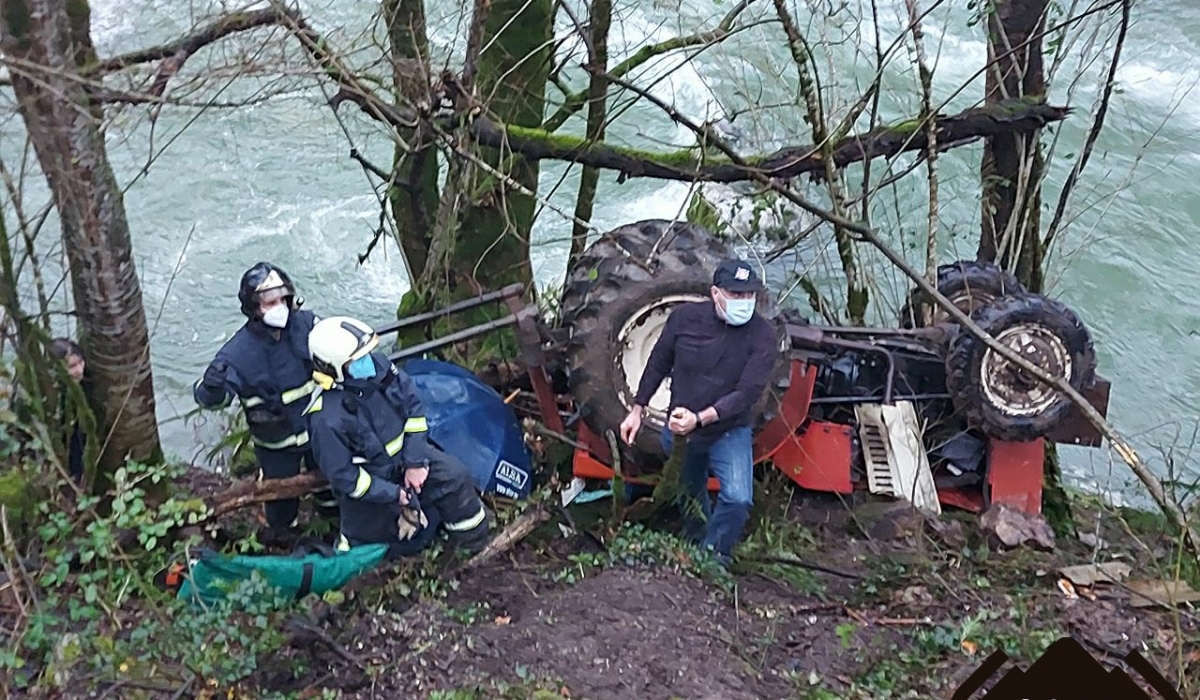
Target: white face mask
[738, 311]
[276, 316]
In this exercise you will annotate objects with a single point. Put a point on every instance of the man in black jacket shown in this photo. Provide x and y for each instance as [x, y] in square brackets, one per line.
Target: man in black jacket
[267, 367]
[720, 355]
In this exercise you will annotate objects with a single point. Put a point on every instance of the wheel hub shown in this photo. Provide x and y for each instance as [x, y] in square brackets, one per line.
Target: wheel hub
[1015, 391]
[635, 341]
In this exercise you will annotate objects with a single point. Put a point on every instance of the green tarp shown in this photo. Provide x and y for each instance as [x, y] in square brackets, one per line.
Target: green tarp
[213, 575]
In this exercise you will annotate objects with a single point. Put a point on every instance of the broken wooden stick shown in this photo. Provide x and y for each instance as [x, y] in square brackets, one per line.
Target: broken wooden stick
[516, 531]
[792, 561]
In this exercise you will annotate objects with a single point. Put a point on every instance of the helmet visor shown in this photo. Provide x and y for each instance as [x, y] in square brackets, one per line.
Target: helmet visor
[270, 296]
[366, 346]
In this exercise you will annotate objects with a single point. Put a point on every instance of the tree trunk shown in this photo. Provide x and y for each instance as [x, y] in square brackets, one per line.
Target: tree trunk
[413, 194]
[480, 236]
[599, 22]
[491, 239]
[1012, 175]
[1012, 163]
[64, 127]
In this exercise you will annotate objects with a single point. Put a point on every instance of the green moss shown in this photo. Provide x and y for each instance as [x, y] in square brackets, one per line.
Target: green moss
[681, 158]
[702, 213]
[15, 495]
[1055, 504]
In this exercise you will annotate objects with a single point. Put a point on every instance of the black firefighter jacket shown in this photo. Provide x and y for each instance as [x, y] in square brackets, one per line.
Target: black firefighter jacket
[272, 379]
[364, 433]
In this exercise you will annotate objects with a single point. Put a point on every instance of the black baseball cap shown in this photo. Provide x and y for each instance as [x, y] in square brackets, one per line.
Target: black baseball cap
[737, 276]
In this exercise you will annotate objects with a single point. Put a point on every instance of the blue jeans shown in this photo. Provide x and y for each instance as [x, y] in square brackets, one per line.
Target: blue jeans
[730, 457]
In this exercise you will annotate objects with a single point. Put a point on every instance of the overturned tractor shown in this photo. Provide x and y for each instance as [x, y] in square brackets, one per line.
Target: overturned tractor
[925, 411]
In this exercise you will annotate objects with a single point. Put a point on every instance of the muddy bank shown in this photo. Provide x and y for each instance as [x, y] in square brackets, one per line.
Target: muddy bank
[904, 614]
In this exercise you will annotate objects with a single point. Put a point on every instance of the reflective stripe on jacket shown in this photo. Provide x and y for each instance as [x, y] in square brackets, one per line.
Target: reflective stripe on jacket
[272, 379]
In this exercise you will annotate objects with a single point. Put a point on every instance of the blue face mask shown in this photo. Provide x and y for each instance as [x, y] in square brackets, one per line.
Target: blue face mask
[738, 311]
[362, 368]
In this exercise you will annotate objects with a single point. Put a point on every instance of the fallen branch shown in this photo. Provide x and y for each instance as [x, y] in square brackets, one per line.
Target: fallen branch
[542, 430]
[300, 629]
[786, 163]
[790, 561]
[251, 491]
[516, 531]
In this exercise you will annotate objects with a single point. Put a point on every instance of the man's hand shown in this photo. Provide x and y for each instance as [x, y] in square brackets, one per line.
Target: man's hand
[414, 477]
[214, 376]
[631, 425]
[683, 421]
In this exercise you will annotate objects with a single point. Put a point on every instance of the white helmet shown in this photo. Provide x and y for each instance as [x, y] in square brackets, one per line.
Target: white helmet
[338, 340]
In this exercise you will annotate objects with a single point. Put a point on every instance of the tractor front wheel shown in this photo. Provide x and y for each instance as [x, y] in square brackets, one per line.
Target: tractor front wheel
[1000, 398]
[615, 303]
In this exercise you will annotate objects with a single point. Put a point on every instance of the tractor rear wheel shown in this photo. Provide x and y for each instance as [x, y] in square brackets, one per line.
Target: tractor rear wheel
[968, 284]
[616, 301]
[1001, 399]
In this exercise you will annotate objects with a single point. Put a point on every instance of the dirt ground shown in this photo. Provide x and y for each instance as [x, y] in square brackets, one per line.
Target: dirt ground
[902, 614]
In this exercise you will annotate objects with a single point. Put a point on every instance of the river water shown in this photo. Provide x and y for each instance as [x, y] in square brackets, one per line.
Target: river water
[273, 181]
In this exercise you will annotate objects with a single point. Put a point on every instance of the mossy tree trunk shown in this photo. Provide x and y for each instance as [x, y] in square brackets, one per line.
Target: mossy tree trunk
[479, 240]
[491, 242]
[1012, 172]
[64, 126]
[413, 194]
[1012, 162]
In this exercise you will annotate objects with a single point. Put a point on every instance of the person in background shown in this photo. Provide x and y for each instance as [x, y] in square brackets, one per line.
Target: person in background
[371, 439]
[69, 351]
[266, 366]
[720, 356]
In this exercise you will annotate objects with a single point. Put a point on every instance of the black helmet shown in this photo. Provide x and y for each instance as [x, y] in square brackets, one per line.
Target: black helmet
[260, 278]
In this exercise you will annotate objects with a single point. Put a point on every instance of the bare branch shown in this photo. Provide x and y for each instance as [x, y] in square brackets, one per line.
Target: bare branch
[597, 44]
[856, 289]
[926, 78]
[575, 101]
[184, 47]
[1093, 134]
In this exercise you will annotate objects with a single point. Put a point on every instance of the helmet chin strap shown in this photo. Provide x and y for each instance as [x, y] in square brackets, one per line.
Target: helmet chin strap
[323, 380]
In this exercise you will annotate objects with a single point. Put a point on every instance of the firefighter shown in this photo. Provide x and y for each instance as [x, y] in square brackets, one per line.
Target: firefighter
[266, 366]
[371, 440]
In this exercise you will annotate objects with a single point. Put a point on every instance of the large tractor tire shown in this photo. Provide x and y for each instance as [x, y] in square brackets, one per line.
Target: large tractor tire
[968, 284]
[998, 397]
[616, 300]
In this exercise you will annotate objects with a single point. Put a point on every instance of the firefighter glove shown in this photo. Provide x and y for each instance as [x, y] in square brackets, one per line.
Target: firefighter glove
[214, 376]
[412, 519]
